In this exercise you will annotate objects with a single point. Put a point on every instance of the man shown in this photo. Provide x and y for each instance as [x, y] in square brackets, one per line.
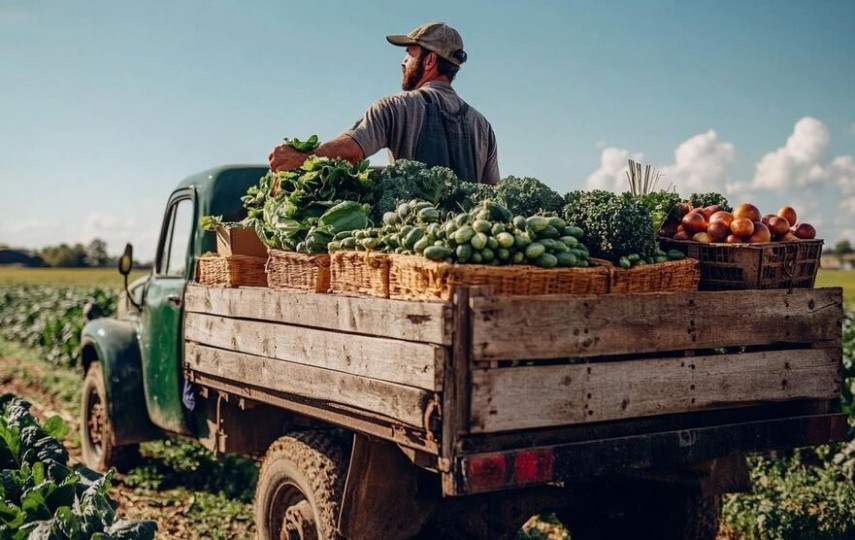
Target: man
[427, 122]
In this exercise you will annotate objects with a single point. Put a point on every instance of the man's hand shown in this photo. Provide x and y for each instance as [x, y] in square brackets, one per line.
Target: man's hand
[285, 158]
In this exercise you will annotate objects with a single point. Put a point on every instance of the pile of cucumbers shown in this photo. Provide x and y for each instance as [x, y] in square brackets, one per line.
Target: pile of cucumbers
[488, 234]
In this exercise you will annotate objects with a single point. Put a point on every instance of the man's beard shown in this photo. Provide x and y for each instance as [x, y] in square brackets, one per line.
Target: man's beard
[412, 78]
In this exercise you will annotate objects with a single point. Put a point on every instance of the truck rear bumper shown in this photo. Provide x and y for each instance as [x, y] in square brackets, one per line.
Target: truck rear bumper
[492, 471]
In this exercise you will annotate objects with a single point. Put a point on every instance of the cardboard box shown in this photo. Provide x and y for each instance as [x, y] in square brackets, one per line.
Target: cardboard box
[239, 241]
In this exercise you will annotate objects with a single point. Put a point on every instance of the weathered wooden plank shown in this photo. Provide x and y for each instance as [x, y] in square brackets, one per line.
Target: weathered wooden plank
[542, 396]
[513, 328]
[399, 403]
[428, 322]
[403, 362]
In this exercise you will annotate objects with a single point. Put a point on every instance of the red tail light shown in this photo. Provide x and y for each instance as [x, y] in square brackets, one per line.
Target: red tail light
[486, 472]
[533, 466]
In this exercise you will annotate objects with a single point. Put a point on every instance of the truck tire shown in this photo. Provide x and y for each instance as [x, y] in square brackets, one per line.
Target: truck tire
[300, 487]
[96, 433]
[665, 512]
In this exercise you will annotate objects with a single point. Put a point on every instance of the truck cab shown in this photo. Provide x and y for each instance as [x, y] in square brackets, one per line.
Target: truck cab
[132, 364]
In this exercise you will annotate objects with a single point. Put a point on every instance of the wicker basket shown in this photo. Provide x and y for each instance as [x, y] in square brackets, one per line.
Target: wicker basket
[417, 278]
[231, 271]
[767, 265]
[290, 270]
[360, 273]
[669, 276]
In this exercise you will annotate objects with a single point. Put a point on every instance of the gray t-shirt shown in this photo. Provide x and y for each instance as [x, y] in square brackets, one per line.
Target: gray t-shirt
[396, 122]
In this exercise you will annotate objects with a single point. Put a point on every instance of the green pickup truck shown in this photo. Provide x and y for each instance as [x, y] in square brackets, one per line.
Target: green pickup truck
[626, 415]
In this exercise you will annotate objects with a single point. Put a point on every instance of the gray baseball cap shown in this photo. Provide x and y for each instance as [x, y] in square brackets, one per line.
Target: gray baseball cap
[437, 37]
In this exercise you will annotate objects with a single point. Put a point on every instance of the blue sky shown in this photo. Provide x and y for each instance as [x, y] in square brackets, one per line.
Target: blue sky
[105, 106]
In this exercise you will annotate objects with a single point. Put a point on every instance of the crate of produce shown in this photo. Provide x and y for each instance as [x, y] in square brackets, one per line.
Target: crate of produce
[669, 276]
[766, 265]
[291, 270]
[359, 272]
[231, 271]
[417, 278]
[239, 241]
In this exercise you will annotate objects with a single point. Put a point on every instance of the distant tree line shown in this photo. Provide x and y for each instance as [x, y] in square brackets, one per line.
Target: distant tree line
[93, 254]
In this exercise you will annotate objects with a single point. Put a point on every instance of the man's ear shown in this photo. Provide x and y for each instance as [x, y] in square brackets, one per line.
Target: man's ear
[431, 59]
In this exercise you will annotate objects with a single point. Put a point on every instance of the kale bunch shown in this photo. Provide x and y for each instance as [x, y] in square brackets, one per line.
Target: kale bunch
[700, 200]
[405, 180]
[614, 225]
[527, 196]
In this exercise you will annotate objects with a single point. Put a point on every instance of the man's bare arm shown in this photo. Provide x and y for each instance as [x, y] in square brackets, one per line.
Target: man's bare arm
[285, 158]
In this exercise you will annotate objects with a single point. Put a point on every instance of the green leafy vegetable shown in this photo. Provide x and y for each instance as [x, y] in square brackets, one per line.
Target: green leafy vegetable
[527, 196]
[614, 225]
[40, 497]
[307, 146]
[700, 200]
[314, 202]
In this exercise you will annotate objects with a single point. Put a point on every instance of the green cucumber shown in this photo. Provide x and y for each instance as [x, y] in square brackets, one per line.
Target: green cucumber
[479, 241]
[534, 250]
[437, 253]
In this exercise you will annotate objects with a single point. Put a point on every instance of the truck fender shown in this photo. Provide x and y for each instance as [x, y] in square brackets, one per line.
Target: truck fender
[114, 344]
[381, 498]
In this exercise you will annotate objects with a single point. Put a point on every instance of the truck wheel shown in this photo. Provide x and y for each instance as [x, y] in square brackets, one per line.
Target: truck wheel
[300, 486]
[664, 512]
[97, 438]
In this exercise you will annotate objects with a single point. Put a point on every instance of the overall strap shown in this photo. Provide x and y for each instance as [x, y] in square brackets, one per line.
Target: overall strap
[446, 139]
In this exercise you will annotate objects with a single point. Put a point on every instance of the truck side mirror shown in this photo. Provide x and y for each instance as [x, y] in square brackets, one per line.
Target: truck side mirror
[126, 261]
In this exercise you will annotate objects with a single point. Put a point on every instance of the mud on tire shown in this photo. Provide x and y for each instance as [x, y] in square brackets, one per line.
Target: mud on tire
[300, 486]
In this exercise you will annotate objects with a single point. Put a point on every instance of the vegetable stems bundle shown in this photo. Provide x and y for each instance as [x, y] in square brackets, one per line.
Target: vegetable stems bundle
[642, 184]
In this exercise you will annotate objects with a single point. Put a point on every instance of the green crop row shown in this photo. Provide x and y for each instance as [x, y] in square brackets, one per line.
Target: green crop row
[41, 497]
[50, 319]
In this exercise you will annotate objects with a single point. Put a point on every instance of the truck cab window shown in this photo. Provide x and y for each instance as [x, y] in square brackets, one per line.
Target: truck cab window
[179, 231]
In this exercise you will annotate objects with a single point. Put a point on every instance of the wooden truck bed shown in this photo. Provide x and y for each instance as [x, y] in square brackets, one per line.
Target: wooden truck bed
[553, 377]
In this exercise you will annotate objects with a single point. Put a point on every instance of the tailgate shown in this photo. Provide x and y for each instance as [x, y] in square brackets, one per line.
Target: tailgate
[734, 371]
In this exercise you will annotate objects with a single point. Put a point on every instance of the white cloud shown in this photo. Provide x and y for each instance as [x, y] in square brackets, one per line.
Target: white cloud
[799, 162]
[611, 175]
[841, 171]
[700, 164]
[116, 231]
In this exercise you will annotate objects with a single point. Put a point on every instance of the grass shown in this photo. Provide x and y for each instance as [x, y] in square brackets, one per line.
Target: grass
[839, 278]
[66, 277]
